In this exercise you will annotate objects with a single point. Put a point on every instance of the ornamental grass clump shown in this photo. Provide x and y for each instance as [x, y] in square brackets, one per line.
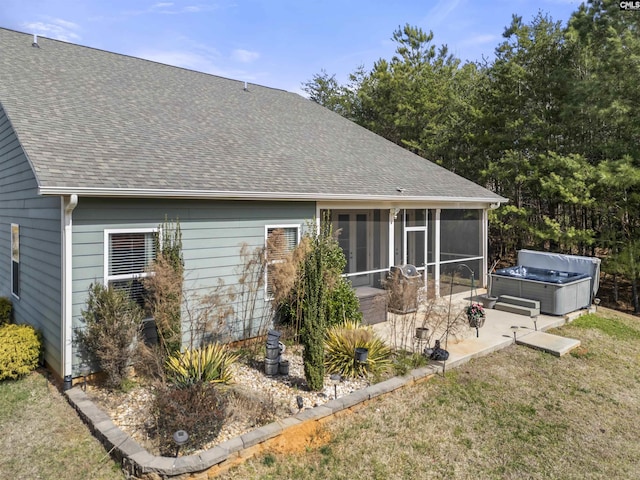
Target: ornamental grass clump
[19, 351]
[209, 364]
[341, 342]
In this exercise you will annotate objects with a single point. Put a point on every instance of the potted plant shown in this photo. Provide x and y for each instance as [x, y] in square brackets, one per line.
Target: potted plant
[475, 315]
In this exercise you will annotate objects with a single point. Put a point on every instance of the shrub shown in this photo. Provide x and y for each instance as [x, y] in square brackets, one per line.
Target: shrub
[340, 344]
[343, 304]
[113, 323]
[5, 310]
[199, 409]
[19, 350]
[164, 290]
[209, 364]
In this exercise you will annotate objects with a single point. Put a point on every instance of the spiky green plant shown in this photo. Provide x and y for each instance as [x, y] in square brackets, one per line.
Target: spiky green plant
[208, 364]
[340, 344]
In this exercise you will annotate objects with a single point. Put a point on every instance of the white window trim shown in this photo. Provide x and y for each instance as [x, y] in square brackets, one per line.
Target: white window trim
[107, 233]
[298, 228]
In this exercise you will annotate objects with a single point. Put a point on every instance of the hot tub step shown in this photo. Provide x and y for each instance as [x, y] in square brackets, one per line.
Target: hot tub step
[519, 309]
[522, 302]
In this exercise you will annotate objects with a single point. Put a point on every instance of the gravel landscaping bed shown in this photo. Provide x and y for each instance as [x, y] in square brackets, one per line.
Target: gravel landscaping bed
[131, 411]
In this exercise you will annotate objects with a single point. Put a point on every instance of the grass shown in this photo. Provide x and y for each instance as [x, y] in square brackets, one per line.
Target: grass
[518, 413]
[42, 437]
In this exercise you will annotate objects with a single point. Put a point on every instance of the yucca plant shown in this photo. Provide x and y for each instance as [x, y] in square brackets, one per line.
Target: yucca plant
[208, 364]
[340, 343]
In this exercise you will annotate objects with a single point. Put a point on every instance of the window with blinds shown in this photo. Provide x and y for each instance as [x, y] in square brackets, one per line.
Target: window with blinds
[129, 254]
[280, 241]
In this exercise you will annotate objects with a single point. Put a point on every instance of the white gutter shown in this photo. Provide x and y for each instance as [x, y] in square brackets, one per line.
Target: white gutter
[69, 204]
[252, 195]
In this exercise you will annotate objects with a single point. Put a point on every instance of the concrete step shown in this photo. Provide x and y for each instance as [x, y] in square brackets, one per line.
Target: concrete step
[520, 310]
[522, 302]
[553, 344]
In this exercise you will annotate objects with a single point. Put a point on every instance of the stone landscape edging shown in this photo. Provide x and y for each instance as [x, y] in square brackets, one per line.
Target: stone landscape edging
[137, 461]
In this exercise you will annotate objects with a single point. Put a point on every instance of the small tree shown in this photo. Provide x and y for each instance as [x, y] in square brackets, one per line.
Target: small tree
[112, 325]
[314, 312]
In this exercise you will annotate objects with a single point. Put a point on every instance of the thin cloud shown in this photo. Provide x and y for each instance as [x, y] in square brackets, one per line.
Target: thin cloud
[197, 62]
[56, 28]
[244, 56]
[439, 13]
[480, 39]
[179, 58]
[170, 8]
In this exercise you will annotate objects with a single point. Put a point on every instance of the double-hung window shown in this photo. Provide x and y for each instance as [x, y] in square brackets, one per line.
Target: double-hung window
[128, 255]
[280, 240]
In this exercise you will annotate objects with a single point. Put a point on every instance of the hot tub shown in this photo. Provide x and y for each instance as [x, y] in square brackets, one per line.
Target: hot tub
[558, 292]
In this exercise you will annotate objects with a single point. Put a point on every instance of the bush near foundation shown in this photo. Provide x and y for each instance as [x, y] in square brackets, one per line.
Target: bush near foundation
[19, 351]
[5, 310]
[112, 326]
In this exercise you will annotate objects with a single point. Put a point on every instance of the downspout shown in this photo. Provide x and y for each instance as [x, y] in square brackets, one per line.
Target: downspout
[67, 321]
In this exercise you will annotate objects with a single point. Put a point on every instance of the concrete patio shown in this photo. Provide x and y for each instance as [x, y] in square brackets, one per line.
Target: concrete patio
[496, 333]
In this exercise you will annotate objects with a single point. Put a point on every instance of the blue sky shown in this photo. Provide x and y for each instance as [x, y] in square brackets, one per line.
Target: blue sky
[275, 43]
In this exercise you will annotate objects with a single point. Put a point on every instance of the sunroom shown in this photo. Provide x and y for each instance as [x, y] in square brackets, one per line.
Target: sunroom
[446, 244]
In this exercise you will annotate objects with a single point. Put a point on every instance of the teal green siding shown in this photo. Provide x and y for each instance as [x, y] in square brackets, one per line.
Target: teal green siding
[40, 245]
[212, 235]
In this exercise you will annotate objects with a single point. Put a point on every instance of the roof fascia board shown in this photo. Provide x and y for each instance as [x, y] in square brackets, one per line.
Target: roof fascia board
[220, 195]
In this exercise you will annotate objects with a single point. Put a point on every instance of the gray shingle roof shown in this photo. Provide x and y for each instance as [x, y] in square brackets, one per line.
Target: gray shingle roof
[90, 119]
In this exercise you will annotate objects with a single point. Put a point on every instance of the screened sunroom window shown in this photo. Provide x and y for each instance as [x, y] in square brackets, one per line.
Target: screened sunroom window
[280, 241]
[129, 254]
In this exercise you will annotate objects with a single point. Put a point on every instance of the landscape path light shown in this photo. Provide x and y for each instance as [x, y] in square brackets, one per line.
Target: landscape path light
[335, 378]
[180, 437]
[514, 329]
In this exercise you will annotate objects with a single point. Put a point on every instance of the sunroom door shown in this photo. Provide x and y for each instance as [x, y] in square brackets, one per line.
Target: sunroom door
[354, 241]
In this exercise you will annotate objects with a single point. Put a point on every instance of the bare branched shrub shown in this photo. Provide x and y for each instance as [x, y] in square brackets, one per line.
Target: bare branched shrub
[442, 319]
[208, 316]
[200, 409]
[256, 317]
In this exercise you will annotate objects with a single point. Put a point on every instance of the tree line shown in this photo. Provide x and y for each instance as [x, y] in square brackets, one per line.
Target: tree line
[551, 123]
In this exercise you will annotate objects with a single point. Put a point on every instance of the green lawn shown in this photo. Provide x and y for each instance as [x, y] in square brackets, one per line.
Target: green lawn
[41, 437]
[516, 414]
